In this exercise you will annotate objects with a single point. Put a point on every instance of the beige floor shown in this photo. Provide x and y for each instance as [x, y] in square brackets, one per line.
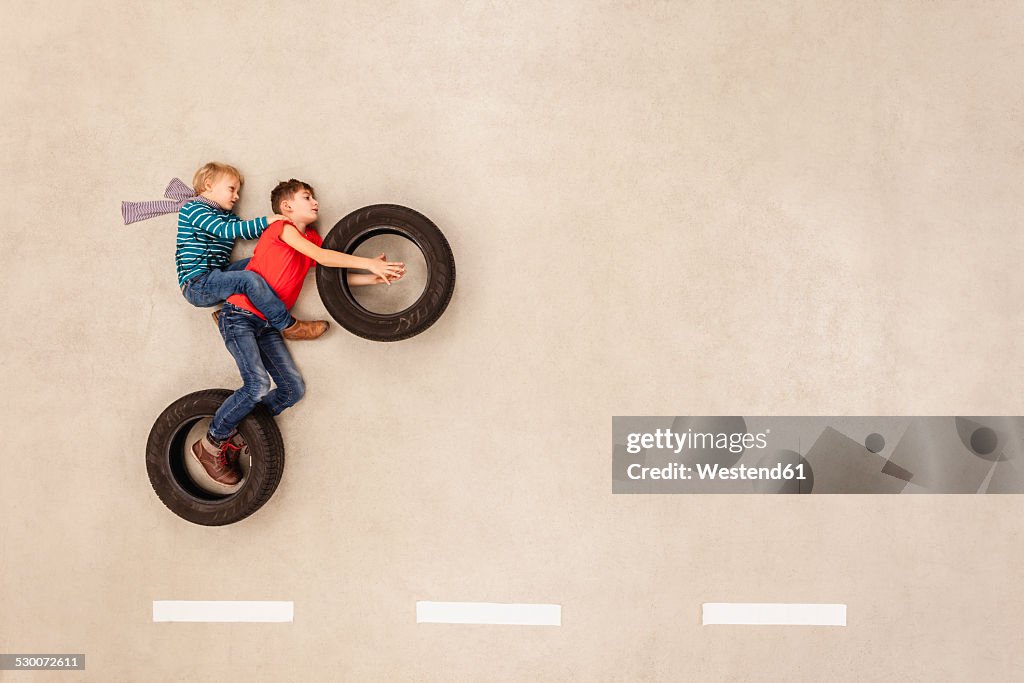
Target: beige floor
[660, 208]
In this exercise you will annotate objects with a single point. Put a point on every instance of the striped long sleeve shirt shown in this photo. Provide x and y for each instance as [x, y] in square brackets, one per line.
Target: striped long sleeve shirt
[206, 235]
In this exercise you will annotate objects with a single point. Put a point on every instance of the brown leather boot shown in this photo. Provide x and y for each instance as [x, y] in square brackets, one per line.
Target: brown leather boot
[238, 449]
[216, 317]
[305, 329]
[215, 461]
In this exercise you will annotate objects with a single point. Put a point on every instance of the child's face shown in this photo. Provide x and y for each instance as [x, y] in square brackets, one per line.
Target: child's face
[303, 207]
[224, 191]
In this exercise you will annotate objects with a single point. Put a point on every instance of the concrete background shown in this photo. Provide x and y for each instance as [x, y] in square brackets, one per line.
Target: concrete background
[663, 208]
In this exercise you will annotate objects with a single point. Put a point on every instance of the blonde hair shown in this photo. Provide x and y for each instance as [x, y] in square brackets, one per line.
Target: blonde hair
[208, 173]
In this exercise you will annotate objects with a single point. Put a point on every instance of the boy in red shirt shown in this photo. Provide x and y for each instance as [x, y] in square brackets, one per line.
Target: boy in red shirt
[283, 256]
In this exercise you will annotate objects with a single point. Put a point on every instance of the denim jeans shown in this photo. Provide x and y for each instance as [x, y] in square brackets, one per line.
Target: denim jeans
[214, 287]
[260, 354]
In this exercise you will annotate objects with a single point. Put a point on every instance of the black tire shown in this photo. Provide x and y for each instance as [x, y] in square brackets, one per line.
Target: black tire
[179, 480]
[388, 219]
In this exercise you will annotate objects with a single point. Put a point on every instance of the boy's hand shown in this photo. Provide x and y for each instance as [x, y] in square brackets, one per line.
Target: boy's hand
[275, 218]
[386, 271]
[396, 276]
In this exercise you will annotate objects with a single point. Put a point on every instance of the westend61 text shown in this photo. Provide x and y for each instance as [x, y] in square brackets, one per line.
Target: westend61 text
[706, 471]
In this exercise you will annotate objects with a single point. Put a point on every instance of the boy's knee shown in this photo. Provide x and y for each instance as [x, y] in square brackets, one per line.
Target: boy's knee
[291, 389]
[296, 390]
[256, 388]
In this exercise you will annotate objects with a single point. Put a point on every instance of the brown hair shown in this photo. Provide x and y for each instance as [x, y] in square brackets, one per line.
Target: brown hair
[208, 173]
[286, 189]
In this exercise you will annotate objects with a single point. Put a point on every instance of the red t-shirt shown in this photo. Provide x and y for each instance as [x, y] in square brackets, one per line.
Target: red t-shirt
[281, 266]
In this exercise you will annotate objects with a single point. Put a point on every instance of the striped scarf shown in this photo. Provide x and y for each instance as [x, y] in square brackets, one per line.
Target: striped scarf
[177, 194]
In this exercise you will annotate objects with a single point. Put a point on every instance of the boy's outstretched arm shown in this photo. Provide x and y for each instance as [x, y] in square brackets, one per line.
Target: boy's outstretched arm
[388, 270]
[205, 218]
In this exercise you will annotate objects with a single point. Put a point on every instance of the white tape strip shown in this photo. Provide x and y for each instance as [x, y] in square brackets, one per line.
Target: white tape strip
[223, 610]
[774, 614]
[488, 613]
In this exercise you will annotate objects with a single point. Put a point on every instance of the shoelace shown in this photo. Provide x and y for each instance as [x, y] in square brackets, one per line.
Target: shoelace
[222, 452]
[240, 446]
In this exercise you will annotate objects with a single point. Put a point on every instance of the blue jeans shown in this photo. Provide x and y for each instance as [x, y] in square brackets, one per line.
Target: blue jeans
[215, 286]
[260, 353]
